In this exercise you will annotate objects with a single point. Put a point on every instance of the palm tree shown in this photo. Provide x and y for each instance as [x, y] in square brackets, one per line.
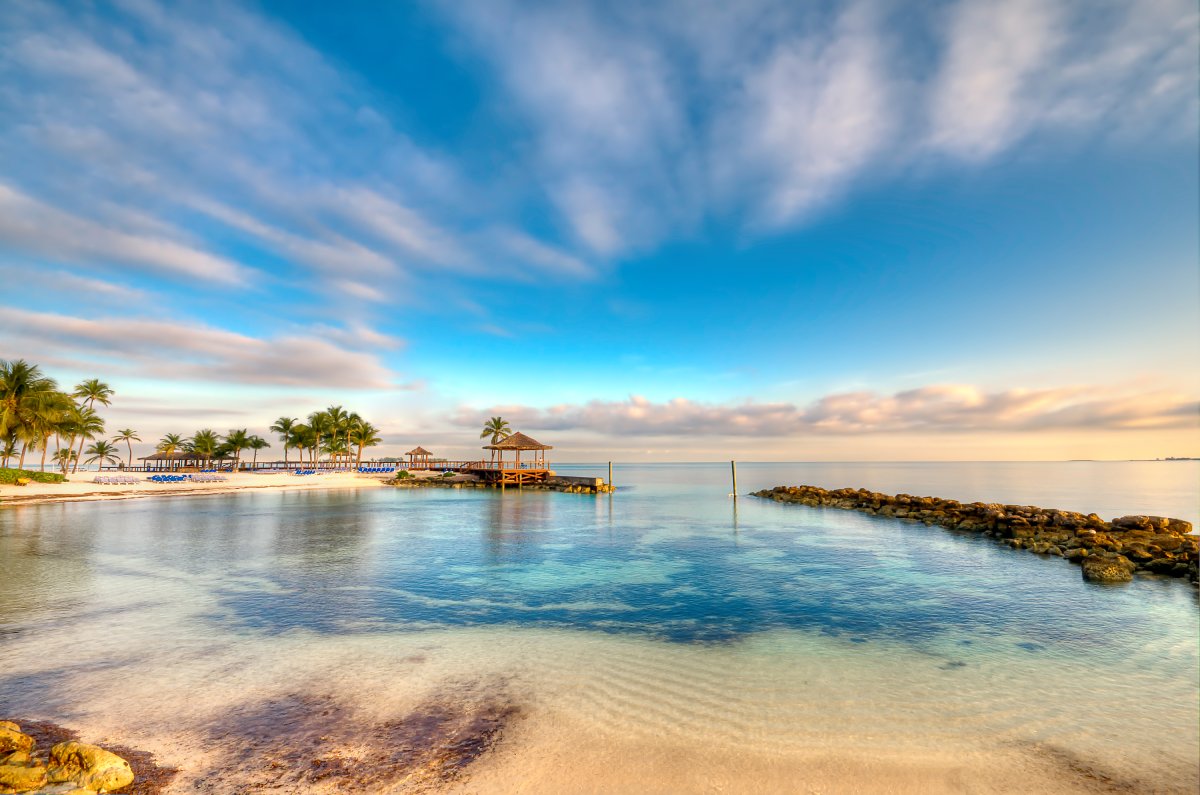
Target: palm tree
[203, 444]
[84, 424]
[337, 421]
[284, 427]
[24, 392]
[257, 443]
[169, 445]
[64, 457]
[103, 452]
[318, 421]
[49, 419]
[303, 438]
[496, 428]
[237, 440]
[128, 436]
[347, 424]
[364, 434]
[8, 450]
[91, 392]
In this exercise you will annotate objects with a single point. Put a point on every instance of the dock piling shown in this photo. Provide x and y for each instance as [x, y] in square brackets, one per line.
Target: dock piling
[733, 468]
[610, 473]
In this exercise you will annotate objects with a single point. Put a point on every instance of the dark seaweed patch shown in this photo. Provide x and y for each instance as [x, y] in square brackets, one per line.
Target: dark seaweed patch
[296, 740]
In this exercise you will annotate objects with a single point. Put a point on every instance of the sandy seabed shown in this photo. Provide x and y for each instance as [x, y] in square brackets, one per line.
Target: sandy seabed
[493, 711]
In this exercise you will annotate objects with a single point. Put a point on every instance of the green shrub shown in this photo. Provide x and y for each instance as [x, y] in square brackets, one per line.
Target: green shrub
[403, 474]
[448, 474]
[9, 476]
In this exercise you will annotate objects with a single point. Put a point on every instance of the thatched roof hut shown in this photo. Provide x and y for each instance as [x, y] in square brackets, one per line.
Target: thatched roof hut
[163, 460]
[418, 455]
[518, 442]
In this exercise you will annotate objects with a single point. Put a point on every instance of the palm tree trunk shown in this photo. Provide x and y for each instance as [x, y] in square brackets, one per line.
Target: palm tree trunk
[285, 463]
[24, 447]
[359, 462]
[129, 444]
[45, 447]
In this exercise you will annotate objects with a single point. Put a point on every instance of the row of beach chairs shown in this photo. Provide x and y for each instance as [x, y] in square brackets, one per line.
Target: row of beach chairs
[375, 470]
[306, 472]
[130, 480]
[201, 478]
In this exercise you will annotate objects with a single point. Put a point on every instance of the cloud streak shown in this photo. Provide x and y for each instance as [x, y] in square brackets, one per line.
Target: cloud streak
[204, 142]
[650, 120]
[39, 229]
[943, 408]
[164, 350]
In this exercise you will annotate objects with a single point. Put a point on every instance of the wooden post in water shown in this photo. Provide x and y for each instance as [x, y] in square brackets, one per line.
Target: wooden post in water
[610, 474]
[733, 467]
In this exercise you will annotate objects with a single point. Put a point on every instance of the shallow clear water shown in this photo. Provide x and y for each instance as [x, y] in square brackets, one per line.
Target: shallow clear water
[665, 612]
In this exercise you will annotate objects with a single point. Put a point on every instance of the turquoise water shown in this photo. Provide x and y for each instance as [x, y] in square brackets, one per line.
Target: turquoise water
[942, 636]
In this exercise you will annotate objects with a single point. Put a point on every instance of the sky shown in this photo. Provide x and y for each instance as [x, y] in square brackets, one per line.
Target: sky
[961, 230]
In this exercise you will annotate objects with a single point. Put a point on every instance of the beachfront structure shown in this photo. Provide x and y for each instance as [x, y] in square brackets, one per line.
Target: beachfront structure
[418, 457]
[516, 472]
[161, 461]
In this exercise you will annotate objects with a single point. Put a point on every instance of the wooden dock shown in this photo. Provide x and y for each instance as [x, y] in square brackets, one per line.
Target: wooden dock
[507, 473]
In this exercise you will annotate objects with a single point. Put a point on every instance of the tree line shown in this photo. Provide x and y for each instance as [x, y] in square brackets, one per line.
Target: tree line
[35, 412]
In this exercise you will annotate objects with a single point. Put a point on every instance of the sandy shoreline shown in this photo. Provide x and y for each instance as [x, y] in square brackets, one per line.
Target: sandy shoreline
[79, 487]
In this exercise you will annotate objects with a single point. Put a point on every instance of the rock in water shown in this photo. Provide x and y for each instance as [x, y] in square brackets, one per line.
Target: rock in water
[11, 738]
[21, 778]
[88, 766]
[1107, 568]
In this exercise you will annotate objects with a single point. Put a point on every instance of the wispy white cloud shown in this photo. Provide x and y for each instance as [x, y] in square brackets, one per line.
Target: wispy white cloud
[137, 121]
[997, 53]
[168, 351]
[651, 119]
[531, 253]
[33, 227]
[811, 116]
[941, 408]
[65, 287]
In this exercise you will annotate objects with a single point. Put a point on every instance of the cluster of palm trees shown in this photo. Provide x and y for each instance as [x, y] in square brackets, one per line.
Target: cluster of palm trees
[341, 434]
[208, 445]
[335, 431]
[34, 412]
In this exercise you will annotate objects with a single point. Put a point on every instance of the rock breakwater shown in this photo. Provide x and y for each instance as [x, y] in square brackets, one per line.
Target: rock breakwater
[1108, 551]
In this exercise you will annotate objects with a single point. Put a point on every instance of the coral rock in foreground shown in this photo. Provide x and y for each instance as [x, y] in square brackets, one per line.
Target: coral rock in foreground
[72, 768]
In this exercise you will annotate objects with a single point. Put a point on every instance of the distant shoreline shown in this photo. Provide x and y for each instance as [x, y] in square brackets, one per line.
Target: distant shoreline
[83, 490]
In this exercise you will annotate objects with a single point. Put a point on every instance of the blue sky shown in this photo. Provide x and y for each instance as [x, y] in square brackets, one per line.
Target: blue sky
[777, 230]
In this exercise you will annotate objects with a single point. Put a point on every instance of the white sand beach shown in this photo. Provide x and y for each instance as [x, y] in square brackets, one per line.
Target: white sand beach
[80, 486]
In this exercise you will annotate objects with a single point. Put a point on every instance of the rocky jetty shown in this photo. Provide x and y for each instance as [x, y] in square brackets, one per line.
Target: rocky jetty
[71, 768]
[1109, 551]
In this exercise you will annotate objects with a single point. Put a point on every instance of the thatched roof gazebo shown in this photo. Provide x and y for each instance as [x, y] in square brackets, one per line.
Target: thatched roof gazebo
[518, 442]
[171, 460]
[418, 452]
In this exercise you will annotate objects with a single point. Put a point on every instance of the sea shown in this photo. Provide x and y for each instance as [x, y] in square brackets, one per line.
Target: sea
[667, 637]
